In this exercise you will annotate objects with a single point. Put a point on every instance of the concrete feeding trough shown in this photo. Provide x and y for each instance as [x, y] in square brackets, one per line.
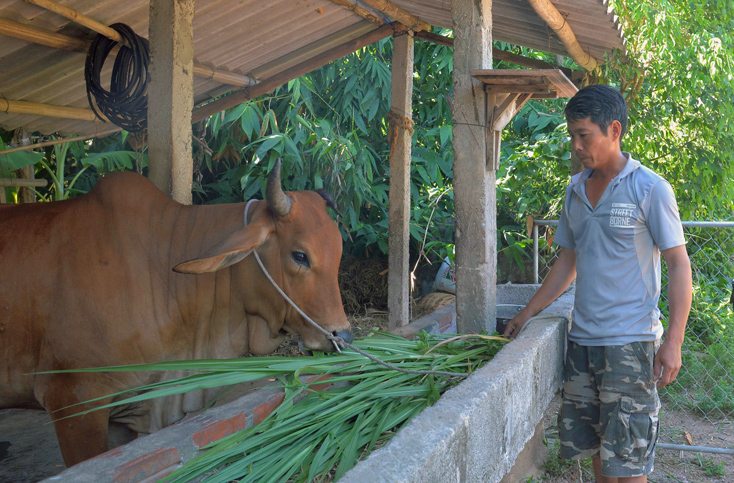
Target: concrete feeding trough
[476, 432]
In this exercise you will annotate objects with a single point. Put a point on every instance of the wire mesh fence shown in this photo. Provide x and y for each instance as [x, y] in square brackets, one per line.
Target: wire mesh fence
[704, 389]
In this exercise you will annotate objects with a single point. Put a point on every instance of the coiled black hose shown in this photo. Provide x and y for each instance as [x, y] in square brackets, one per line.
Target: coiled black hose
[126, 103]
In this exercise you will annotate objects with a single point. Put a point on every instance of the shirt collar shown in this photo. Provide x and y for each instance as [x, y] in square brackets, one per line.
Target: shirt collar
[631, 165]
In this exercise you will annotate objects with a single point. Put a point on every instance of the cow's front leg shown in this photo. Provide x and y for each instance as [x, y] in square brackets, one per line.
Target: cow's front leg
[80, 437]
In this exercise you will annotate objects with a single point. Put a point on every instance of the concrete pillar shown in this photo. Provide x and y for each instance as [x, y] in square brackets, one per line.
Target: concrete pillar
[171, 97]
[474, 175]
[398, 279]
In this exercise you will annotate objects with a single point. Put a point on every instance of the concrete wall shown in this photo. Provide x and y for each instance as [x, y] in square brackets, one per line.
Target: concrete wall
[475, 432]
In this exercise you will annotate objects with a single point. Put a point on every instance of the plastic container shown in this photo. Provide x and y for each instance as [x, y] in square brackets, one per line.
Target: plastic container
[445, 278]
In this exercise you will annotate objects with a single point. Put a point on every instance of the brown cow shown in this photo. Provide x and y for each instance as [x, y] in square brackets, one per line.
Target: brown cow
[89, 283]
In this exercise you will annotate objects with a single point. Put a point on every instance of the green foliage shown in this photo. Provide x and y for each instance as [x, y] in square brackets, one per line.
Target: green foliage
[710, 466]
[678, 82]
[330, 129]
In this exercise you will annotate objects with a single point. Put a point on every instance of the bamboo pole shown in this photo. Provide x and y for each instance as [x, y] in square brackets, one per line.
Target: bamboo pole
[64, 42]
[23, 183]
[267, 85]
[41, 36]
[59, 141]
[77, 17]
[557, 22]
[360, 9]
[49, 110]
[395, 12]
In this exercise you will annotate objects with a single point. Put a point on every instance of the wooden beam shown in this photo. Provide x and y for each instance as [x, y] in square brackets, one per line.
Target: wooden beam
[49, 110]
[516, 88]
[23, 183]
[400, 138]
[267, 85]
[557, 22]
[363, 11]
[53, 40]
[496, 53]
[397, 13]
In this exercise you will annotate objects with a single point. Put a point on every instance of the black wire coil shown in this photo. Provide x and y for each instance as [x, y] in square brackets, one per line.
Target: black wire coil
[126, 103]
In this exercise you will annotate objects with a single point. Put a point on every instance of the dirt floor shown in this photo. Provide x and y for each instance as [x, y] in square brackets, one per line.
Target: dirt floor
[670, 466]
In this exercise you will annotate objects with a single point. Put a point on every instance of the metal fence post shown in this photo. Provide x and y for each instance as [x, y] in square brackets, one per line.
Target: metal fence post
[535, 252]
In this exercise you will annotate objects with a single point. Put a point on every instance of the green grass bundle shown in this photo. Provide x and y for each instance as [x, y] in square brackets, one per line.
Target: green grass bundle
[318, 436]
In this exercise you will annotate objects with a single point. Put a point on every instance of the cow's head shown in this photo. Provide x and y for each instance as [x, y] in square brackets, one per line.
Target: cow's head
[300, 246]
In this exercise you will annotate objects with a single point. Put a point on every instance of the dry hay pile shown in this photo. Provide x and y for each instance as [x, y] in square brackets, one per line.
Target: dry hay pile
[432, 302]
[363, 284]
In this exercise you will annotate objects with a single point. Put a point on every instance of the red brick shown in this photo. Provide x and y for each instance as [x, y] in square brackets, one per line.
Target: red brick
[263, 410]
[160, 475]
[146, 465]
[109, 454]
[217, 430]
[316, 378]
[445, 322]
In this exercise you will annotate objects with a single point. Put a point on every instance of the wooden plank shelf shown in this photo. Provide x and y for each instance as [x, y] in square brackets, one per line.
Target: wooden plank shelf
[541, 83]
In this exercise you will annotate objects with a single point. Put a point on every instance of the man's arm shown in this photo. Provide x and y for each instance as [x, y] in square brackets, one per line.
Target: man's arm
[557, 281]
[668, 359]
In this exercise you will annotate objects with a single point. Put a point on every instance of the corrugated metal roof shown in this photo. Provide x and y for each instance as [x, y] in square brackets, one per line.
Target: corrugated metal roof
[259, 38]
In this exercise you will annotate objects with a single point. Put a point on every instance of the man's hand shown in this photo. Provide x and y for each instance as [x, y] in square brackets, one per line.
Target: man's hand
[668, 359]
[667, 363]
[515, 325]
[560, 277]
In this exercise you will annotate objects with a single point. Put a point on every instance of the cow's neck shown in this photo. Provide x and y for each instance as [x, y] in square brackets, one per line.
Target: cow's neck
[211, 311]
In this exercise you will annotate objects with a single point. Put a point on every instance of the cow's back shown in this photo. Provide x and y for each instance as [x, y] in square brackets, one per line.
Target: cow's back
[63, 266]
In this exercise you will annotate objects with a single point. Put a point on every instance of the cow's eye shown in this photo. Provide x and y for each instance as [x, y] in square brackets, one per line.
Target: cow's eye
[300, 258]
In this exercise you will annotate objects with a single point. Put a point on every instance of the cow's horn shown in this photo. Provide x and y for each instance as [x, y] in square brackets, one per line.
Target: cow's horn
[277, 199]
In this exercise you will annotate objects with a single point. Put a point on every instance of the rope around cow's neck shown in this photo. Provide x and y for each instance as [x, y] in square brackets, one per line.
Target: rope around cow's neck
[338, 341]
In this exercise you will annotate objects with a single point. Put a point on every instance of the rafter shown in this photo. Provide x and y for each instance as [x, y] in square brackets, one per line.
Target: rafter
[557, 22]
[397, 13]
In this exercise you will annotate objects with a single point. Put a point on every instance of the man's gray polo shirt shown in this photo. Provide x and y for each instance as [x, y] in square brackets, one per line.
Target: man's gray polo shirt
[617, 247]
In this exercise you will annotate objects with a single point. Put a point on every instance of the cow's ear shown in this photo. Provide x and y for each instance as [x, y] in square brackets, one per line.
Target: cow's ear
[229, 251]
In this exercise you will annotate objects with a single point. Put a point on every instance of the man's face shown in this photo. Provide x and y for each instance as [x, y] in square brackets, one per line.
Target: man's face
[594, 148]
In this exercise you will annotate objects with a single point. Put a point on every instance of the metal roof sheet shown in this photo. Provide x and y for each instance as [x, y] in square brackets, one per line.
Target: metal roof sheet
[259, 38]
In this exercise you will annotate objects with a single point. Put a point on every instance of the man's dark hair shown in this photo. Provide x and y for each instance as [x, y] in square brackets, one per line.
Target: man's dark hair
[600, 103]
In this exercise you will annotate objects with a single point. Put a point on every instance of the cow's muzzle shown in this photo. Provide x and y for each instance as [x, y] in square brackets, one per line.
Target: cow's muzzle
[345, 334]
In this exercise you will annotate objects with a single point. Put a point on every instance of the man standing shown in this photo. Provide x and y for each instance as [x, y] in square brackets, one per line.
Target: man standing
[618, 217]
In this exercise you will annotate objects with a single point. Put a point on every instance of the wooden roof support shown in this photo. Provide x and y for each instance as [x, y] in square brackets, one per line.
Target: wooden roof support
[64, 42]
[400, 139]
[364, 11]
[557, 22]
[496, 53]
[397, 13]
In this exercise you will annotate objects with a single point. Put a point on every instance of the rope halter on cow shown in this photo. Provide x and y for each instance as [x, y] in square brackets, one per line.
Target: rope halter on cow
[338, 342]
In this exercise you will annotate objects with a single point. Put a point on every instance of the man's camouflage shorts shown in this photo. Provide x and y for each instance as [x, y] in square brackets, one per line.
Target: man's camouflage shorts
[610, 407]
